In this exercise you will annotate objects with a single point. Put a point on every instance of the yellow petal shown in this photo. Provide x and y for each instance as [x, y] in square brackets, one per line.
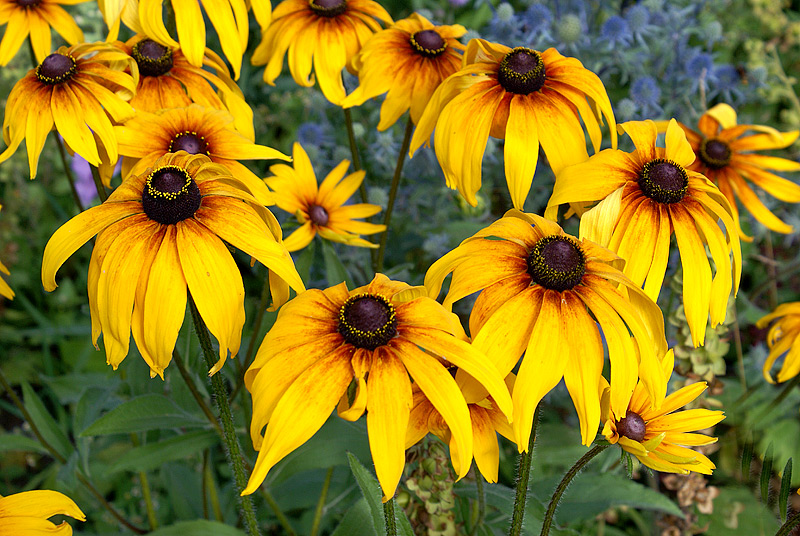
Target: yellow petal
[521, 149]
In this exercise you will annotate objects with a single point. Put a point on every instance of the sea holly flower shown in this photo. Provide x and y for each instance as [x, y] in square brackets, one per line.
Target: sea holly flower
[783, 338]
[320, 208]
[380, 336]
[725, 154]
[407, 61]
[526, 97]
[327, 33]
[80, 90]
[160, 233]
[35, 18]
[646, 196]
[548, 295]
[657, 435]
[27, 513]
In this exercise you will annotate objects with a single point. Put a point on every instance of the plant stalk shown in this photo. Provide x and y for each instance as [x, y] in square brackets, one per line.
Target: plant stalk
[523, 476]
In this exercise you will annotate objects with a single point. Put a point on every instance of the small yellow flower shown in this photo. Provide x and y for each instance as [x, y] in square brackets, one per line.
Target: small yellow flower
[783, 338]
[35, 17]
[27, 513]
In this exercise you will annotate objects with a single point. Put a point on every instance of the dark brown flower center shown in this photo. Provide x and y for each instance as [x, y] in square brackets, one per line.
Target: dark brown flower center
[318, 215]
[631, 426]
[663, 181]
[557, 262]
[191, 142]
[328, 8]
[153, 59]
[522, 71]
[56, 68]
[428, 43]
[170, 195]
[367, 321]
[28, 3]
[715, 153]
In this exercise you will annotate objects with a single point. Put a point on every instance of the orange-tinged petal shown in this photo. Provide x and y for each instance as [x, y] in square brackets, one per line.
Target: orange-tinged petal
[560, 133]
[643, 134]
[484, 443]
[677, 147]
[69, 119]
[520, 152]
[696, 274]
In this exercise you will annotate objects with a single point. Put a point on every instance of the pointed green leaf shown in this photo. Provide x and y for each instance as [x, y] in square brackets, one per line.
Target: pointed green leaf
[747, 459]
[335, 272]
[371, 491]
[786, 484]
[766, 474]
[14, 442]
[357, 521]
[143, 413]
[45, 422]
[148, 457]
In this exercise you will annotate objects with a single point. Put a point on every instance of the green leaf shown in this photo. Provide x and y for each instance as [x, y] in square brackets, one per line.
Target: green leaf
[13, 442]
[335, 272]
[144, 413]
[766, 474]
[149, 457]
[371, 491]
[45, 422]
[404, 527]
[201, 527]
[747, 458]
[304, 260]
[737, 512]
[357, 521]
[786, 484]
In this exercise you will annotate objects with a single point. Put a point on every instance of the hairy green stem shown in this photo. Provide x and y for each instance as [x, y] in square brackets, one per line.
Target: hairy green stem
[523, 476]
[98, 183]
[790, 524]
[391, 521]
[321, 502]
[481, 501]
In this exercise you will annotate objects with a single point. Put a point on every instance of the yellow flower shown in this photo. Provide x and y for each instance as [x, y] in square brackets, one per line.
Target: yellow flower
[159, 233]
[35, 17]
[544, 293]
[320, 209]
[377, 335]
[196, 130]
[644, 197]
[655, 436]
[116, 11]
[409, 61]
[229, 18]
[77, 89]
[26, 513]
[526, 97]
[783, 338]
[5, 289]
[328, 33]
[724, 156]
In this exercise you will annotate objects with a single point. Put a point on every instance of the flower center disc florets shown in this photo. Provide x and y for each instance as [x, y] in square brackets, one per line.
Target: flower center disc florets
[367, 321]
[632, 426]
[170, 195]
[318, 215]
[522, 71]
[56, 68]
[28, 3]
[328, 8]
[153, 59]
[663, 181]
[189, 141]
[428, 43]
[715, 153]
[557, 262]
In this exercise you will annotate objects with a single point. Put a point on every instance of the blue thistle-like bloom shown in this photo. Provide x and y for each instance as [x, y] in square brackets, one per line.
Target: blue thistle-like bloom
[505, 26]
[538, 21]
[638, 18]
[701, 64]
[626, 110]
[505, 12]
[570, 29]
[645, 91]
[727, 84]
[616, 31]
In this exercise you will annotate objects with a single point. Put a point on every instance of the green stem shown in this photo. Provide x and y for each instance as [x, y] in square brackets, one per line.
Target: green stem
[233, 449]
[351, 136]
[211, 488]
[146, 495]
[68, 172]
[398, 172]
[287, 528]
[176, 357]
[562, 486]
[481, 501]
[321, 502]
[790, 524]
[98, 183]
[523, 476]
[391, 521]
[783, 394]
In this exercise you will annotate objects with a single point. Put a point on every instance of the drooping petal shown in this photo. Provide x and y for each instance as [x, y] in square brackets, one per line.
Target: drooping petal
[520, 152]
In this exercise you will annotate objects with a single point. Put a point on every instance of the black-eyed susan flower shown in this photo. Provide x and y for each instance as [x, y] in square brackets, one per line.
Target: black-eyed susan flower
[196, 130]
[783, 338]
[228, 17]
[35, 18]
[379, 336]
[168, 80]
[659, 437]
[320, 208]
[549, 295]
[80, 90]
[325, 34]
[526, 97]
[27, 513]
[408, 61]
[725, 155]
[646, 196]
[487, 420]
[159, 233]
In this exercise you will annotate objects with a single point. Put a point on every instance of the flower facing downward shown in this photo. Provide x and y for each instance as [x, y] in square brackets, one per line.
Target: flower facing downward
[35, 17]
[380, 336]
[659, 437]
[783, 339]
[321, 208]
[327, 33]
[408, 60]
[27, 513]
[160, 233]
[646, 196]
[526, 97]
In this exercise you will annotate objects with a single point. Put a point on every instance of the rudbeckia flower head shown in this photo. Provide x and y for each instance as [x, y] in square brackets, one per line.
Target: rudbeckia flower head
[646, 196]
[381, 336]
[659, 437]
[726, 155]
[80, 90]
[526, 97]
[160, 233]
[325, 33]
[408, 60]
[320, 208]
[35, 18]
[27, 513]
[549, 295]
[783, 338]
